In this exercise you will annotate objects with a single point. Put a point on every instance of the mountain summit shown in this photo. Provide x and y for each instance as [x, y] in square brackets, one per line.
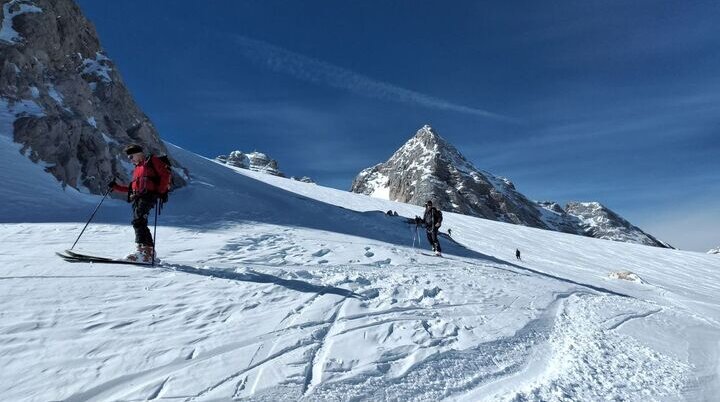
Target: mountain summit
[428, 167]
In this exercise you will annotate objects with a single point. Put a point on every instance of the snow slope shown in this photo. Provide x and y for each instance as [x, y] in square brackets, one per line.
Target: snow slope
[273, 289]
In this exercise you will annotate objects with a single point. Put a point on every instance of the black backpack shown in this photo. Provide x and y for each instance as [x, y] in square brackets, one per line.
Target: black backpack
[438, 216]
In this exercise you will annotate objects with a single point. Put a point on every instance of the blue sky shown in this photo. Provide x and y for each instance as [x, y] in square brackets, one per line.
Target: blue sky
[610, 101]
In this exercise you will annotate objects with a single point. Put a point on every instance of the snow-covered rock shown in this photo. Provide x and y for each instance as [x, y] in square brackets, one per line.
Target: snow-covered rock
[50, 55]
[596, 220]
[427, 167]
[714, 251]
[303, 179]
[257, 162]
[236, 158]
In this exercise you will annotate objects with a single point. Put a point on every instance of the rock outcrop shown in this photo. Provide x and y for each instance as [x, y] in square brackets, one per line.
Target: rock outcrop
[255, 161]
[258, 162]
[62, 100]
[596, 220]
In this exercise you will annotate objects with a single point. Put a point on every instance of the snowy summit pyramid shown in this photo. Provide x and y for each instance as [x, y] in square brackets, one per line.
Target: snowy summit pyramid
[427, 167]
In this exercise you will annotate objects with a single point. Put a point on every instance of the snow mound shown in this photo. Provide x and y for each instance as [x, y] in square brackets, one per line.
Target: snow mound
[627, 276]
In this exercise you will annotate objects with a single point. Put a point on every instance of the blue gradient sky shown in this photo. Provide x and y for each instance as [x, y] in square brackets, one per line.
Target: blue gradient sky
[610, 101]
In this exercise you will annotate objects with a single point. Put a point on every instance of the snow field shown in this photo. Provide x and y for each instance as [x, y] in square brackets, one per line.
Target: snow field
[275, 289]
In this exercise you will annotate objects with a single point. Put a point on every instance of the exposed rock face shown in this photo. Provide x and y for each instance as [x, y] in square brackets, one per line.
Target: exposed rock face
[596, 220]
[236, 158]
[258, 162]
[303, 179]
[429, 168]
[63, 100]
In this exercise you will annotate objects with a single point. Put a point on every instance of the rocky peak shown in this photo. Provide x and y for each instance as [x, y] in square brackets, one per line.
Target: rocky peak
[258, 162]
[263, 163]
[255, 161]
[427, 167]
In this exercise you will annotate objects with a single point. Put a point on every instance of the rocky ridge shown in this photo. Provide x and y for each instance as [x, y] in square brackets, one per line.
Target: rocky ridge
[258, 162]
[427, 167]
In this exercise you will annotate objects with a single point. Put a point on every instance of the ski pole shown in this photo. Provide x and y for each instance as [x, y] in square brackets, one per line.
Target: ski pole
[157, 205]
[414, 233]
[91, 217]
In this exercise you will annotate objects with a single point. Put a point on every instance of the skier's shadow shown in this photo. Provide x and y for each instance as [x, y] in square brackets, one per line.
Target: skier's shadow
[259, 277]
[467, 253]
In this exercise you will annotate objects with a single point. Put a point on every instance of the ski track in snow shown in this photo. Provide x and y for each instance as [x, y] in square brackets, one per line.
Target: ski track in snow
[298, 299]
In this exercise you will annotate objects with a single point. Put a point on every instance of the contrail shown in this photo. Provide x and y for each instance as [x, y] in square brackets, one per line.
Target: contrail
[317, 71]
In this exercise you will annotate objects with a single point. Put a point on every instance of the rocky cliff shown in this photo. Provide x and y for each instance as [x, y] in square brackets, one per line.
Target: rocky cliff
[62, 100]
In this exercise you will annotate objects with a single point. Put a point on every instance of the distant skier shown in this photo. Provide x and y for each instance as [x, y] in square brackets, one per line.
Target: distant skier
[517, 254]
[432, 220]
[150, 182]
[449, 232]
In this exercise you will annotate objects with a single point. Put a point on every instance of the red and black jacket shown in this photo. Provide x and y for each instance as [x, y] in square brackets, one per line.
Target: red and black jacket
[152, 176]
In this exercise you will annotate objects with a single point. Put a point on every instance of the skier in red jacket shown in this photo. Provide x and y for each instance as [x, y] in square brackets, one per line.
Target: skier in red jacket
[150, 182]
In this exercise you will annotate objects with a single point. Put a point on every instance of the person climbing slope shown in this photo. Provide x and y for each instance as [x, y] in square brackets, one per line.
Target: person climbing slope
[433, 220]
[151, 181]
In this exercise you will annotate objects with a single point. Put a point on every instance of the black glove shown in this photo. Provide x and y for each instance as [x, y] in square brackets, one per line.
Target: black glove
[163, 198]
[112, 184]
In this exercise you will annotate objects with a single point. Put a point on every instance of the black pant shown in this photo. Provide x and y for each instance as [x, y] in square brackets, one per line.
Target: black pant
[142, 205]
[432, 236]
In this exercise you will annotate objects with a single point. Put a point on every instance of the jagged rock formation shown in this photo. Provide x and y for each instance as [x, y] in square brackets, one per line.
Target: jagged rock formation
[303, 179]
[596, 220]
[62, 99]
[255, 161]
[258, 162]
[429, 168]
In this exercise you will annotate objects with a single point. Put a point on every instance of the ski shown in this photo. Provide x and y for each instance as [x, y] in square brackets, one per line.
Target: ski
[432, 255]
[77, 257]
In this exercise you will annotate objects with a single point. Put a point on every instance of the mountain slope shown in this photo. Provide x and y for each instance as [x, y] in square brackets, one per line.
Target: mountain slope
[427, 167]
[280, 290]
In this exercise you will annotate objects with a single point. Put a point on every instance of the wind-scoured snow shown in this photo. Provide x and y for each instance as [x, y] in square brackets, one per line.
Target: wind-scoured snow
[274, 289]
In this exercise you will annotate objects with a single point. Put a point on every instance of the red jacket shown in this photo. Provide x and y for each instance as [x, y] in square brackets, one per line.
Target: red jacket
[151, 176]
